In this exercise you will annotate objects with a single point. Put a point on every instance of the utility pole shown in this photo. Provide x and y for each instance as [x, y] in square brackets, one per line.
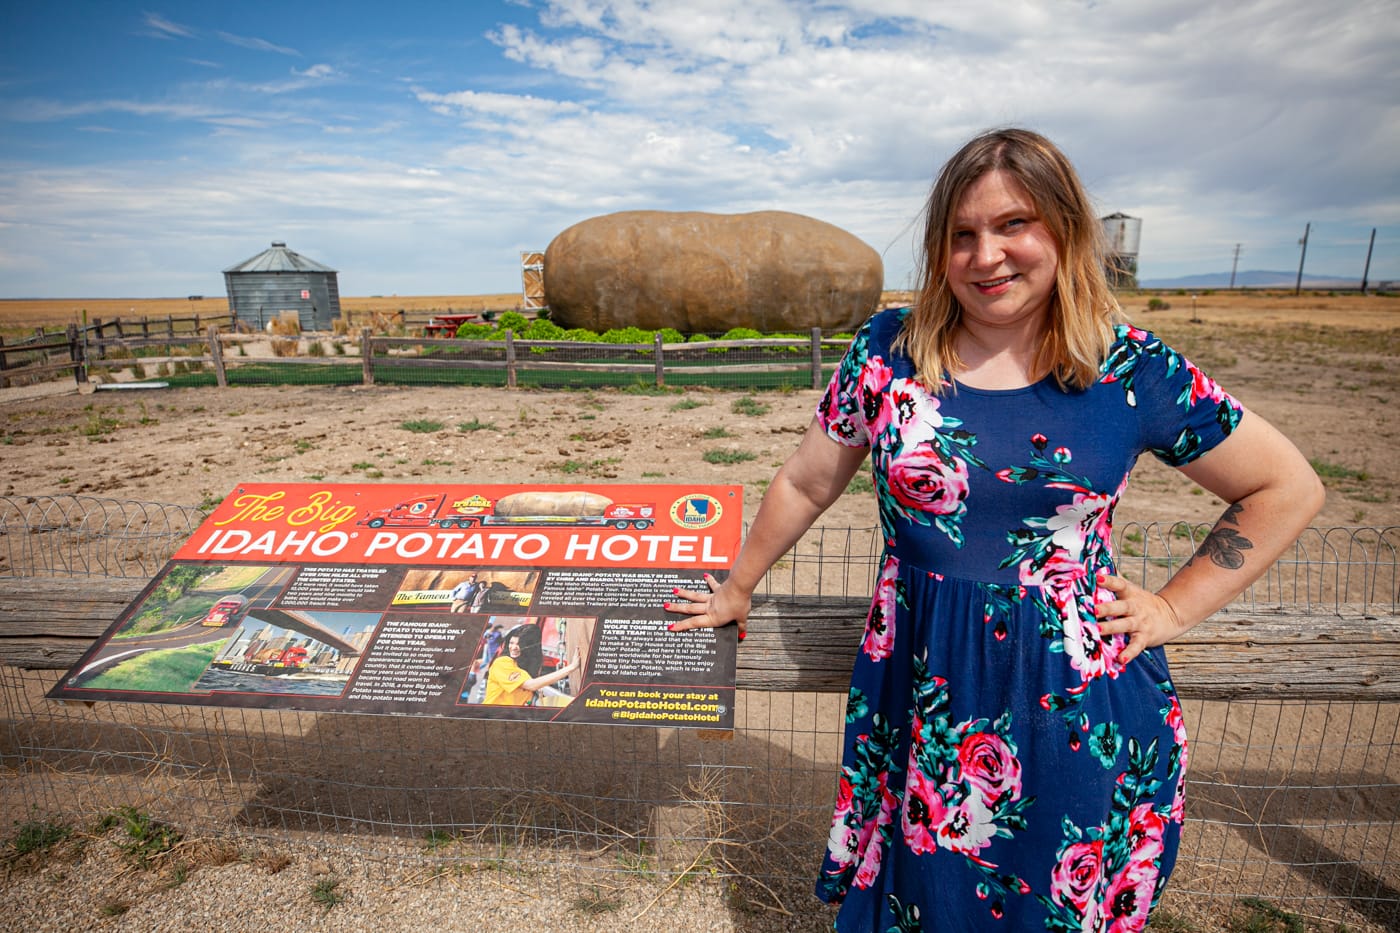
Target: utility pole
[1366, 273]
[1236, 265]
[1298, 286]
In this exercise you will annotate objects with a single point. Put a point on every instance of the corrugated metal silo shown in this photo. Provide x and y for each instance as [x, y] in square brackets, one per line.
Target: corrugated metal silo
[1123, 234]
[278, 280]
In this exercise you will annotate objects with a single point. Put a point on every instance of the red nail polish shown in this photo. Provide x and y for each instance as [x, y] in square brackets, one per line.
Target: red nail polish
[665, 605]
[671, 627]
[675, 591]
[741, 636]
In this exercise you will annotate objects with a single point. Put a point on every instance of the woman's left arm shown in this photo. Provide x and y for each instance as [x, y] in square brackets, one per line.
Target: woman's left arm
[1273, 494]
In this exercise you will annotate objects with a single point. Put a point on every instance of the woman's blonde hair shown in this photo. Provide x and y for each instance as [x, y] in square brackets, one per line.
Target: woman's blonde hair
[1082, 307]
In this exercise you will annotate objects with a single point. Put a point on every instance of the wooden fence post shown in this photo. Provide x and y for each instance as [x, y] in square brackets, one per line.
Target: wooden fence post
[367, 355]
[170, 325]
[120, 335]
[510, 360]
[75, 353]
[216, 353]
[145, 326]
[97, 329]
[817, 358]
[660, 361]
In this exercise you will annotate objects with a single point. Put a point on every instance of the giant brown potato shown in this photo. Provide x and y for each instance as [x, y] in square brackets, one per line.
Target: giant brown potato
[772, 271]
[573, 504]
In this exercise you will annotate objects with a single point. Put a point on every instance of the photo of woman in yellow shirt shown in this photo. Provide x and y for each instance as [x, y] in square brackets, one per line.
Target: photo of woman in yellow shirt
[514, 677]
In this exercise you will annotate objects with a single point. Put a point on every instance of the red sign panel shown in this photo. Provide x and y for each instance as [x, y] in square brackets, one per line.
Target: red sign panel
[468, 600]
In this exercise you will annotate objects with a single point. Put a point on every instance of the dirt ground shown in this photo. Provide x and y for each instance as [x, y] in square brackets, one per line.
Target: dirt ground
[1325, 370]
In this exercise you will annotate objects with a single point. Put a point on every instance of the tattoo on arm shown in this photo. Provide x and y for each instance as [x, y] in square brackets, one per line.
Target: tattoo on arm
[1224, 546]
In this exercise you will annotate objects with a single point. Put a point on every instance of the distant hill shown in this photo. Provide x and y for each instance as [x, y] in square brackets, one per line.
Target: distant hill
[1254, 278]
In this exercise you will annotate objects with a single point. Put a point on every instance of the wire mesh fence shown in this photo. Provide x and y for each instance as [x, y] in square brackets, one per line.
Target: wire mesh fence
[1288, 800]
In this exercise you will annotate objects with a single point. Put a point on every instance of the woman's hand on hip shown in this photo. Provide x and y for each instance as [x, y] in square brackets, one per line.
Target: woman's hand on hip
[1145, 617]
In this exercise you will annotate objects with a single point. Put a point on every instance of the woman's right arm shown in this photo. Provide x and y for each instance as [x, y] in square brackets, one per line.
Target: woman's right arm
[806, 485]
[554, 676]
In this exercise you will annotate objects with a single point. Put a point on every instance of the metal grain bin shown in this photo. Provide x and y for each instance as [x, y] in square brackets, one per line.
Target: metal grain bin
[1122, 234]
[278, 280]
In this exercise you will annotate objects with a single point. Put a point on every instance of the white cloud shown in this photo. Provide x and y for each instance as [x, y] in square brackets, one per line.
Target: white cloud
[1215, 123]
[256, 44]
[159, 27]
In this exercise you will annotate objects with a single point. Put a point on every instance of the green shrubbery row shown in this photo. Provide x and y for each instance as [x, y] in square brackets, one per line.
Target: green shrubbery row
[544, 329]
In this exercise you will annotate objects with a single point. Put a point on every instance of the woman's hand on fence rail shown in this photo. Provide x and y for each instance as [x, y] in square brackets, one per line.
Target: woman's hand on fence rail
[720, 605]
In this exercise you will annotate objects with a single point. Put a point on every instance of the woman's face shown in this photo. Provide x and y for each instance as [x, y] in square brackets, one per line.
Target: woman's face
[1002, 261]
[513, 647]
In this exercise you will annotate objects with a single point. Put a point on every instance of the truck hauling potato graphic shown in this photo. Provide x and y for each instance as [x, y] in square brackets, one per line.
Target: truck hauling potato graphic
[534, 508]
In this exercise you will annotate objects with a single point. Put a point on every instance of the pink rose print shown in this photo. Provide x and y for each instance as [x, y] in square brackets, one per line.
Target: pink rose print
[842, 840]
[871, 396]
[879, 625]
[920, 479]
[1076, 877]
[1177, 723]
[873, 848]
[1088, 651]
[922, 814]
[1145, 830]
[838, 423]
[967, 828]
[1084, 519]
[1202, 386]
[988, 765]
[1060, 572]
[1129, 898]
[914, 413]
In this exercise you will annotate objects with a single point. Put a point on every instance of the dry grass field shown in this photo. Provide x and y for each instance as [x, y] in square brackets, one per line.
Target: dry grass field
[23, 315]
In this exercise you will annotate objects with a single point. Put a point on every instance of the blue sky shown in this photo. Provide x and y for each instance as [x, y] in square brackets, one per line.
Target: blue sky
[419, 147]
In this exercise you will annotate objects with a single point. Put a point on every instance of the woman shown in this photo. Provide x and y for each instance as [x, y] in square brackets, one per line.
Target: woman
[1015, 754]
[514, 677]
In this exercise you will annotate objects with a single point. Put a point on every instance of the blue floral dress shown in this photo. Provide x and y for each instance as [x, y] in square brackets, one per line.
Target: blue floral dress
[1002, 769]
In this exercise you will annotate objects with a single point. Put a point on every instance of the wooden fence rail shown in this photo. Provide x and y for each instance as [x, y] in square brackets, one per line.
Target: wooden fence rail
[808, 644]
[514, 355]
[83, 350]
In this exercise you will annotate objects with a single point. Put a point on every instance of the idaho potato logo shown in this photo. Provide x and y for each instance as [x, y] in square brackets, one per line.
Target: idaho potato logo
[698, 511]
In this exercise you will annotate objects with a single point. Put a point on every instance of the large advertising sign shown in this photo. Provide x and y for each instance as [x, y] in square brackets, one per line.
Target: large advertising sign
[483, 601]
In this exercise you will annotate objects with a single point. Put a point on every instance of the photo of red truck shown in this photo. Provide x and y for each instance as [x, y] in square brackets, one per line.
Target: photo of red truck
[525, 508]
[226, 611]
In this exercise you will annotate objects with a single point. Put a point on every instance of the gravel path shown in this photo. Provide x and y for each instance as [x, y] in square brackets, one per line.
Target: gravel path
[89, 883]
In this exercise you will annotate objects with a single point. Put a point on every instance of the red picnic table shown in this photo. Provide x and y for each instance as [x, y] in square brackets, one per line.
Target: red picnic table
[445, 325]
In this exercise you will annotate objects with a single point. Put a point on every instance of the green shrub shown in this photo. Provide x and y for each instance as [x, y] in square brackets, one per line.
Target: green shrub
[38, 836]
[741, 333]
[626, 335]
[748, 405]
[468, 330]
[512, 321]
[542, 330]
[727, 456]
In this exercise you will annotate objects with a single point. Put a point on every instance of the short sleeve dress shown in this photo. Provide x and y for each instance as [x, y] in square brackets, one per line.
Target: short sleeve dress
[1002, 769]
